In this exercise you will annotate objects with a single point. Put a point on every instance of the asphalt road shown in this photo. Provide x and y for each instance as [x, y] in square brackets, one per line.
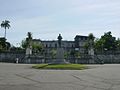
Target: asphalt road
[23, 77]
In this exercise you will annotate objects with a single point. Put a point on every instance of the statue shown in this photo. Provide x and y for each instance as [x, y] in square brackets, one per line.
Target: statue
[59, 40]
[59, 53]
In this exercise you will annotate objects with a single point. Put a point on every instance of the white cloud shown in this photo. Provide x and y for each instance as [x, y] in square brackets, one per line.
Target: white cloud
[47, 18]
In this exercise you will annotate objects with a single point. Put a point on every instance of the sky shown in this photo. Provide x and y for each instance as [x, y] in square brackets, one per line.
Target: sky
[48, 18]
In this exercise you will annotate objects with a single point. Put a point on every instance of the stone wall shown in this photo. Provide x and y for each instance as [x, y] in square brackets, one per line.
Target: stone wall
[10, 57]
[96, 59]
[108, 58]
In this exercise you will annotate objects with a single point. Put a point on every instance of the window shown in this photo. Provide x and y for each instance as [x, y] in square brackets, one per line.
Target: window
[46, 45]
[81, 38]
[72, 45]
[55, 45]
[50, 45]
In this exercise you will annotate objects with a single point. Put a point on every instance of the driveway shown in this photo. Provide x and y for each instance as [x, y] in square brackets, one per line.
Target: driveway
[23, 77]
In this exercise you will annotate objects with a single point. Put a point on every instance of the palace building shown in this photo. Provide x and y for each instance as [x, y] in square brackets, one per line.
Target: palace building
[77, 44]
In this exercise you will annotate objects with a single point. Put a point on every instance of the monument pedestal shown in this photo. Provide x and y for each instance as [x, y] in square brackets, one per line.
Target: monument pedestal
[59, 57]
[28, 54]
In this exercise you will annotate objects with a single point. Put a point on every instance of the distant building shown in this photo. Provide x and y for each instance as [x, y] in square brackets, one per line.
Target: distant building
[77, 44]
[80, 42]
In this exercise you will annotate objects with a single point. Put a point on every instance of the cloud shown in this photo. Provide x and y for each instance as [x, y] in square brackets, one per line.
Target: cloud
[47, 18]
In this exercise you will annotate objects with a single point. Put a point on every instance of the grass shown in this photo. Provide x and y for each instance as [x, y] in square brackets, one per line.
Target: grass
[60, 66]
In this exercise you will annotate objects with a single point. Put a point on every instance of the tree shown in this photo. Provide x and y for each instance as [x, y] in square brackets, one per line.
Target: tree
[91, 37]
[53, 53]
[118, 44]
[98, 45]
[66, 54]
[28, 41]
[24, 44]
[2, 43]
[106, 42]
[75, 54]
[14, 48]
[37, 47]
[5, 24]
[90, 43]
[8, 45]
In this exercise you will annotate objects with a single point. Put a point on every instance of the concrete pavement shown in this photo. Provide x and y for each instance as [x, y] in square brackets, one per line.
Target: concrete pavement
[23, 77]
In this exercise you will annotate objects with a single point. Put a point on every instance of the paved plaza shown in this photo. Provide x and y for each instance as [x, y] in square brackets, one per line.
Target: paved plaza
[23, 77]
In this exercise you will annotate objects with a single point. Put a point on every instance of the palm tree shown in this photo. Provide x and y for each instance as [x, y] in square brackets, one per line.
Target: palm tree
[5, 24]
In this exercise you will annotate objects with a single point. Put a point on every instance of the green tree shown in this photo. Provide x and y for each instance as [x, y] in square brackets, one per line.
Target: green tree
[24, 44]
[8, 45]
[106, 42]
[28, 41]
[14, 48]
[2, 44]
[75, 54]
[90, 43]
[66, 54]
[5, 24]
[37, 48]
[53, 53]
[98, 44]
[118, 44]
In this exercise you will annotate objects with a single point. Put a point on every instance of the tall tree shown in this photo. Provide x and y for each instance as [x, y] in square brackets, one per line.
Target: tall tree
[37, 47]
[28, 41]
[106, 42]
[2, 43]
[5, 24]
[90, 43]
[118, 44]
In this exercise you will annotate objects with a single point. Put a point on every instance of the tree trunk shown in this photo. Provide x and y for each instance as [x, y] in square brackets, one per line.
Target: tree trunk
[5, 34]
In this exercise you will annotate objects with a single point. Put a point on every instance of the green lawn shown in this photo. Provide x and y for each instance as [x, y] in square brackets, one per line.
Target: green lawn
[60, 66]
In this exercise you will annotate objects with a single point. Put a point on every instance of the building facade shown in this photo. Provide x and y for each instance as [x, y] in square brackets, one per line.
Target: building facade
[78, 44]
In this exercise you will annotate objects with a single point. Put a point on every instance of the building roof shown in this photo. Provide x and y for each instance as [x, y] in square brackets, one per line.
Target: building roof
[79, 36]
[36, 40]
[57, 41]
